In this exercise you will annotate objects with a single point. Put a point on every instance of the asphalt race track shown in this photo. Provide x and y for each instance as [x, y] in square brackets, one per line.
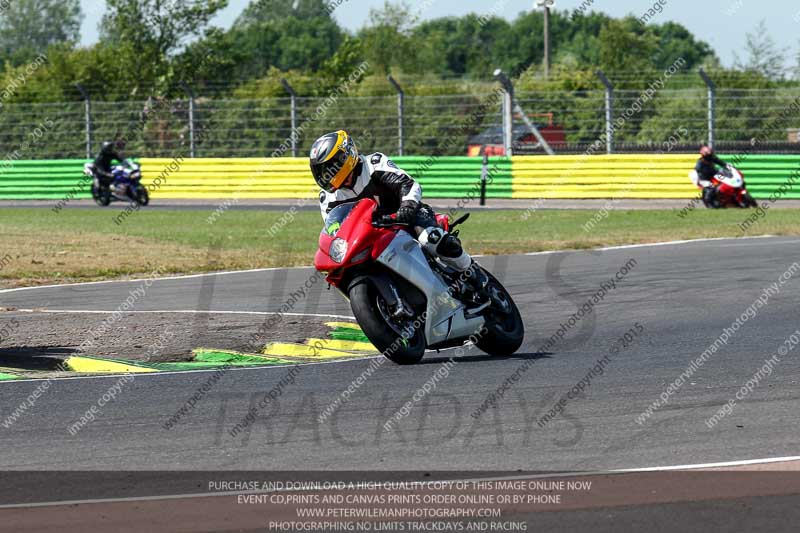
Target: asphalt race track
[674, 300]
[681, 295]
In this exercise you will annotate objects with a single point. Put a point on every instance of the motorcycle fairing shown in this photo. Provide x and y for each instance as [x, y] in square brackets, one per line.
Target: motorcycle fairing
[731, 177]
[445, 318]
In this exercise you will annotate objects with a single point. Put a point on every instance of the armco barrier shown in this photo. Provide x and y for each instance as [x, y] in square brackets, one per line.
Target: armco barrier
[601, 176]
[640, 175]
[443, 177]
[43, 179]
[768, 174]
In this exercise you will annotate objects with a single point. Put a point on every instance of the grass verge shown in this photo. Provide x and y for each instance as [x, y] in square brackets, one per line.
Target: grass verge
[40, 246]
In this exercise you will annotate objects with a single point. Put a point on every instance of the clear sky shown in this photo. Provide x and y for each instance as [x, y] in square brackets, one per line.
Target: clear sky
[721, 23]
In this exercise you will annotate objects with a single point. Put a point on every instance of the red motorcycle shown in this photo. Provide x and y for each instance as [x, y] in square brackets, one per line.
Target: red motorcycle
[727, 189]
[405, 299]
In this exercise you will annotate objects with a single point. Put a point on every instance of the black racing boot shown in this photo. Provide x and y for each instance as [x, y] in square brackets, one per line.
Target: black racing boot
[477, 278]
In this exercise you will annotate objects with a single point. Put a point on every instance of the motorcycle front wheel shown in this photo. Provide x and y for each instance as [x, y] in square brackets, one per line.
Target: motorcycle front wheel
[396, 339]
[505, 329]
[142, 196]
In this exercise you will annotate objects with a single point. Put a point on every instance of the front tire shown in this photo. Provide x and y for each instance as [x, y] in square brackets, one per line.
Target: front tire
[366, 302]
[505, 329]
[142, 196]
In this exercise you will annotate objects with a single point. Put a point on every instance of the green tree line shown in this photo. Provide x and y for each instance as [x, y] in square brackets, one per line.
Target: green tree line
[148, 48]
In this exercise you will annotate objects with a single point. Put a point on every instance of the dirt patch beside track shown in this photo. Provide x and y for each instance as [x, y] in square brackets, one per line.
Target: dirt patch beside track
[42, 338]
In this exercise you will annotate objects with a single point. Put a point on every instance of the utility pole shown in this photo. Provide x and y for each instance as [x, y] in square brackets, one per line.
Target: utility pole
[546, 5]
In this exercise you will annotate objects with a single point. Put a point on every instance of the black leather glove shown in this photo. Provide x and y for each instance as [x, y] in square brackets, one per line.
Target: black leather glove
[407, 212]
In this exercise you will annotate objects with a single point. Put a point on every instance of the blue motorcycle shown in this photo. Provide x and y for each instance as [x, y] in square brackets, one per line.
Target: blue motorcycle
[125, 187]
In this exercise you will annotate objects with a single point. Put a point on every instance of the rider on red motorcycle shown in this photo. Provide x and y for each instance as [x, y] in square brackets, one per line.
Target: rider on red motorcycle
[345, 176]
[706, 169]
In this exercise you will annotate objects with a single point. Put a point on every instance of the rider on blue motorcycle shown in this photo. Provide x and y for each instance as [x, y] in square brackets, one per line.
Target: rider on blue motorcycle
[103, 168]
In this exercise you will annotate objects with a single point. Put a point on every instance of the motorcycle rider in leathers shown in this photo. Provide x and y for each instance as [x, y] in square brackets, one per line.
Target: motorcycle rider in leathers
[102, 167]
[705, 170]
[345, 176]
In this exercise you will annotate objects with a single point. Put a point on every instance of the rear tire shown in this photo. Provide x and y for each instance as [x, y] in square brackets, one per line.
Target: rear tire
[505, 330]
[364, 300]
[101, 195]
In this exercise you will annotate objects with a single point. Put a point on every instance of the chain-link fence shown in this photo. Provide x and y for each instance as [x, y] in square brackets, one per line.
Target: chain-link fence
[570, 121]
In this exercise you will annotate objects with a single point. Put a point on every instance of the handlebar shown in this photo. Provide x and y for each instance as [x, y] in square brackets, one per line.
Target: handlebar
[387, 221]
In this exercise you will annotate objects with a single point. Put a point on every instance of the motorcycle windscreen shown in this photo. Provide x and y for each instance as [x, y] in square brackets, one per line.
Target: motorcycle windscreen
[337, 215]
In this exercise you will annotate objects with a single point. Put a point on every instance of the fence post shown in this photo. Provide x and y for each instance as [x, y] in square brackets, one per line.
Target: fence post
[509, 107]
[190, 94]
[289, 89]
[609, 111]
[508, 117]
[484, 176]
[88, 118]
[712, 97]
[401, 98]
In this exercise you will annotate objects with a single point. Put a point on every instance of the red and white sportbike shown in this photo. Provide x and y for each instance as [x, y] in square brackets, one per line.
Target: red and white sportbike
[727, 189]
[406, 300]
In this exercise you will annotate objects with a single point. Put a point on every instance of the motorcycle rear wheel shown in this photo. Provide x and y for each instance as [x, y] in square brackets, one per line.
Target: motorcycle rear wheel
[505, 329]
[365, 300]
[101, 195]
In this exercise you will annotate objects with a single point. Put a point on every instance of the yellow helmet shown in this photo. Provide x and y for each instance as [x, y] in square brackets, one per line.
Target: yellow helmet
[333, 158]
